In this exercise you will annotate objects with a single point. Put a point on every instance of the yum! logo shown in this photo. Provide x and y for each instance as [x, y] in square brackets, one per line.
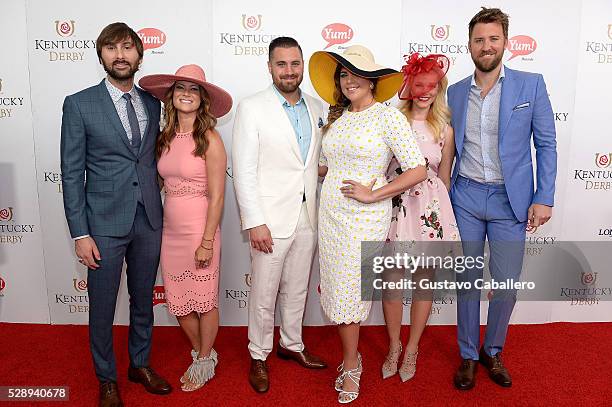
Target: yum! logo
[337, 33]
[521, 45]
[152, 38]
[159, 295]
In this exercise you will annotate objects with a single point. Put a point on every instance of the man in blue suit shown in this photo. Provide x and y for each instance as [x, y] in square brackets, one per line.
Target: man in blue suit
[113, 206]
[496, 113]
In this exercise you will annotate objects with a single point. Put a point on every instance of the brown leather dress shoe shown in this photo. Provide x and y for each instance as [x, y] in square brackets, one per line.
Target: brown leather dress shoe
[497, 371]
[303, 358]
[109, 395]
[465, 378]
[258, 376]
[152, 382]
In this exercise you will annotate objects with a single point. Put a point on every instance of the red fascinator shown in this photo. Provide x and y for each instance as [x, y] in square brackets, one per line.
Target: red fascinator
[416, 85]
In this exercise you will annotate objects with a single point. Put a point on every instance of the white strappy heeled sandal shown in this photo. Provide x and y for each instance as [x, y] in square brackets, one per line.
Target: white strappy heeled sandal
[345, 397]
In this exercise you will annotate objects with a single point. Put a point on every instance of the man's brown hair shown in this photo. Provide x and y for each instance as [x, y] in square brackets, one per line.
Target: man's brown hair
[115, 32]
[489, 15]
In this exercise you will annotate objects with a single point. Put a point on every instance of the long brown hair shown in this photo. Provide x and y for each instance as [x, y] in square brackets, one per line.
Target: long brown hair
[342, 102]
[204, 121]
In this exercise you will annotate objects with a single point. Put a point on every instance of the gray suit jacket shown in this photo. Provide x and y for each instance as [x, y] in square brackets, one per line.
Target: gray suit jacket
[100, 172]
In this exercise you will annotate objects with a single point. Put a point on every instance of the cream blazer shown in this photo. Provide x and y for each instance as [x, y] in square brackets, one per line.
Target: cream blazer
[270, 176]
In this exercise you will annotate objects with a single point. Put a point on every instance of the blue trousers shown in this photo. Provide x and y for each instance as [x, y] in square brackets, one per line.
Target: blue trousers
[140, 249]
[483, 211]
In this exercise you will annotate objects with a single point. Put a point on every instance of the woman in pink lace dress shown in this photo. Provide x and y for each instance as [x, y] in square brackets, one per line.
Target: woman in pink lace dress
[192, 163]
[424, 212]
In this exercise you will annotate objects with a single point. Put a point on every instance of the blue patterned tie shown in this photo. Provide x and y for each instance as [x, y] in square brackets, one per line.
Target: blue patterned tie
[133, 120]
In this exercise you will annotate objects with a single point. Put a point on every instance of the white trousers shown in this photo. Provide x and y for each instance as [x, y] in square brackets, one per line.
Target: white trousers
[282, 274]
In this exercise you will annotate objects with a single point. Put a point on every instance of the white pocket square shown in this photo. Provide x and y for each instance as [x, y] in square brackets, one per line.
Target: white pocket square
[521, 106]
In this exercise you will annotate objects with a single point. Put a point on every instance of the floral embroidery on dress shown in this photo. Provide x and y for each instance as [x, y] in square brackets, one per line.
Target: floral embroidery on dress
[431, 220]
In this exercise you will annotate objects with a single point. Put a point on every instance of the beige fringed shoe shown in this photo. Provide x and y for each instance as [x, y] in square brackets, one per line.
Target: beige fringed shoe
[200, 371]
[408, 368]
[389, 367]
[194, 356]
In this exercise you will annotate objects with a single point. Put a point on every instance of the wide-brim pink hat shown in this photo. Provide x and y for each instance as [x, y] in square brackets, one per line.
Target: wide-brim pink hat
[158, 85]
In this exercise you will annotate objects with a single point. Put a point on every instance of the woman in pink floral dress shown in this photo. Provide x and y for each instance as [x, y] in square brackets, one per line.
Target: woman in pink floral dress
[424, 212]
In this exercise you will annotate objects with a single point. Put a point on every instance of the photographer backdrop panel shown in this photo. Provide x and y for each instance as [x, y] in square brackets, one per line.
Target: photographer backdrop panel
[534, 45]
[63, 60]
[242, 33]
[572, 51]
[23, 296]
[588, 214]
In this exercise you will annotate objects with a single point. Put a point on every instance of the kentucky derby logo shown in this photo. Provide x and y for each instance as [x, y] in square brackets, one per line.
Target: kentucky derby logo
[610, 31]
[64, 28]
[6, 214]
[336, 33]
[152, 38]
[251, 23]
[440, 32]
[79, 285]
[159, 295]
[588, 278]
[603, 160]
[247, 279]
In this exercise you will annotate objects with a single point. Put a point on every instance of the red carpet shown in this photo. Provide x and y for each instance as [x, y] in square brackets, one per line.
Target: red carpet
[553, 364]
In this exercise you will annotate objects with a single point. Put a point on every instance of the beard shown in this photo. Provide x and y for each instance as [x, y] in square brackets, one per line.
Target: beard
[120, 76]
[490, 65]
[286, 87]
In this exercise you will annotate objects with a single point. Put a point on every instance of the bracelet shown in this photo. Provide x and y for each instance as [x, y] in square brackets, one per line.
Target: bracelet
[207, 248]
[208, 240]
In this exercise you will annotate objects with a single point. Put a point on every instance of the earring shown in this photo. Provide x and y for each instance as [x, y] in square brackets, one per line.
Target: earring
[371, 85]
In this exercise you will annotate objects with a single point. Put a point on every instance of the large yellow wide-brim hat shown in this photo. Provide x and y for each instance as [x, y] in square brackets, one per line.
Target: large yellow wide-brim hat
[360, 61]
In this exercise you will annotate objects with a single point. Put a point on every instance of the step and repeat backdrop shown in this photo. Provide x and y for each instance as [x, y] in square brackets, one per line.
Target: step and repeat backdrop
[49, 52]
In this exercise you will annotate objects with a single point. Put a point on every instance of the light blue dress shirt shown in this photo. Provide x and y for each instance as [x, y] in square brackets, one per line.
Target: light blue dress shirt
[300, 120]
[480, 159]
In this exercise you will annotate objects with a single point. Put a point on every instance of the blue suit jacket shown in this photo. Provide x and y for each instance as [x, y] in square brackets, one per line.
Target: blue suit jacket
[100, 172]
[524, 110]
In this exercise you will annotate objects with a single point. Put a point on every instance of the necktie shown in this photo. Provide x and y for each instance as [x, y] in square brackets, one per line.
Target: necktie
[133, 120]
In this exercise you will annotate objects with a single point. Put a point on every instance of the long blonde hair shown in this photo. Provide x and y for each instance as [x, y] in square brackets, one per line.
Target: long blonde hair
[204, 121]
[439, 114]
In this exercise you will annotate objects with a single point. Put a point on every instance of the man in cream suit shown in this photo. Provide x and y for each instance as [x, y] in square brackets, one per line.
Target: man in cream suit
[275, 154]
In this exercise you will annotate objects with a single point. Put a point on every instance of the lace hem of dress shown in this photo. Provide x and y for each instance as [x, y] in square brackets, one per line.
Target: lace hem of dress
[183, 187]
[209, 274]
[193, 305]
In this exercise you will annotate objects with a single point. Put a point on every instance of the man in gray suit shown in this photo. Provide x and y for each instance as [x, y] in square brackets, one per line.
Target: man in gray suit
[113, 206]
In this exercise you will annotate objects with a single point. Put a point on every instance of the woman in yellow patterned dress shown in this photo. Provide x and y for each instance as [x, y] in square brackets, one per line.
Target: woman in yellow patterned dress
[360, 138]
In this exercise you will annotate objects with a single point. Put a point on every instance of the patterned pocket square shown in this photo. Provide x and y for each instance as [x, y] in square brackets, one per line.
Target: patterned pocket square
[521, 106]
[320, 122]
